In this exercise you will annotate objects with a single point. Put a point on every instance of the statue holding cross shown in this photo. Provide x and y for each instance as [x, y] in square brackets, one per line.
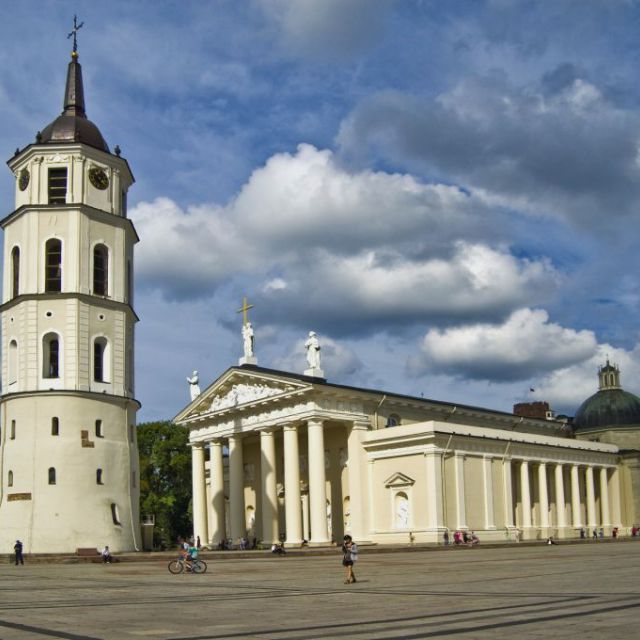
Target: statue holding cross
[247, 335]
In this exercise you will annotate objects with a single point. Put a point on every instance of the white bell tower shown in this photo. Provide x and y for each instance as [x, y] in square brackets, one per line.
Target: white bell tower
[68, 452]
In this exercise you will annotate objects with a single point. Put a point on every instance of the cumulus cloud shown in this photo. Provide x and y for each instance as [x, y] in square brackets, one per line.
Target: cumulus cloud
[524, 346]
[359, 248]
[563, 144]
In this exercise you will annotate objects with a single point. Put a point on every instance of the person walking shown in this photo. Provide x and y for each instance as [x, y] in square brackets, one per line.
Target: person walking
[17, 548]
[349, 557]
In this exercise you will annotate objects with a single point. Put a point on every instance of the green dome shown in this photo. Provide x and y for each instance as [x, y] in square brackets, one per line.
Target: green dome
[607, 408]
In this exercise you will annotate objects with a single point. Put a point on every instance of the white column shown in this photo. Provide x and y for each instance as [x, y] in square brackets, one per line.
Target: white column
[435, 511]
[355, 467]
[525, 490]
[216, 481]
[575, 497]
[604, 496]
[543, 492]
[560, 504]
[615, 498]
[269, 492]
[489, 518]
[292, 505]
[306, 530]
[237, 522]
[461, 511]
[508, 494]
[591, 498]
[317, 483]
[199, 493]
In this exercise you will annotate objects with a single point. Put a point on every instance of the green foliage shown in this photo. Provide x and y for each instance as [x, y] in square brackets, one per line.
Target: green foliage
[165, 480]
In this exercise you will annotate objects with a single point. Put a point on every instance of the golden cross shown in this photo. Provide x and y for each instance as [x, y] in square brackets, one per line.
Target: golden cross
[243, 310]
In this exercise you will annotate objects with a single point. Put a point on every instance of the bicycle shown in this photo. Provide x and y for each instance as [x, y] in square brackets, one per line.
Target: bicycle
[194, 565]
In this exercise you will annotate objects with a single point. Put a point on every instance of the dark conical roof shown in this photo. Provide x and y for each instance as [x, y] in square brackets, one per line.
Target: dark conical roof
[73, 125]
[611, 406]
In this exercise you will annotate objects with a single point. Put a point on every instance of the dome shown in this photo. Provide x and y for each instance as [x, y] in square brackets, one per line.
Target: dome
[608, 408]
[611, 406]
[73, 125]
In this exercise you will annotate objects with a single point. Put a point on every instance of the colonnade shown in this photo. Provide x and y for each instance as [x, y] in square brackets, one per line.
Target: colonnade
[296, 505]
[584, 480]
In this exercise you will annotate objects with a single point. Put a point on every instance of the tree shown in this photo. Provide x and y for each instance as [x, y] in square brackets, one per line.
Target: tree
[165, 480]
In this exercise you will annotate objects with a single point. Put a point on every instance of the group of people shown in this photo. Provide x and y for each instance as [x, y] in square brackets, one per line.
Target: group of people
[462, 537]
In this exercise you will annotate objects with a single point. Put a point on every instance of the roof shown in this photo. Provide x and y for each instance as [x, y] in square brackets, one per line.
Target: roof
[608, 408]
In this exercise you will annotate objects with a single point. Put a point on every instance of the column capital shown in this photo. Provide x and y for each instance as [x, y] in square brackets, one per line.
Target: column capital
[196, 445]
[315, 421]
[360, 425]
[288, 426]
[266, 430]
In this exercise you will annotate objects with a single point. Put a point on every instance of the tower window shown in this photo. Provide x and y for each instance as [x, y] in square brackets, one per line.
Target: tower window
[100, 270]
[52, 475]
[51, 356]
[53, 266]
[115, 516]
[58, 185]
[13, 361]
[12, 435]
[99, 430]
[15, 275]
[99, 476]
[101, 360]
[10, 479]
[55, 427]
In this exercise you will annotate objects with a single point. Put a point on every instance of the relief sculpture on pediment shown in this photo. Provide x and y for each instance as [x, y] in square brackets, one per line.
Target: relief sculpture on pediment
[241, 394]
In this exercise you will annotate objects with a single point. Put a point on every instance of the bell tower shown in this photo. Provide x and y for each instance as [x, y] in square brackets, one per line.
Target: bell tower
[68, 451]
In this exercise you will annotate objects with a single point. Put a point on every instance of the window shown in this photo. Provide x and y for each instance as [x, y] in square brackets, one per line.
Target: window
[10, 479]
[52, 475]
[100, 270]
[134, 480]
[124, 204]
[13, 361]
[15, 266]
[13, 430]
[393, 420]
[115, 516]
[58, 185]
[51, 356]
[129, 283]
[100, 360]
[99, 430]
[98, 476]
[131, 433]
[55, 427]
[53, 266]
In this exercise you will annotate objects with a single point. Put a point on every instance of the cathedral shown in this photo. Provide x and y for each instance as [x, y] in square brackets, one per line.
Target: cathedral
[68, 452]
[311, 460]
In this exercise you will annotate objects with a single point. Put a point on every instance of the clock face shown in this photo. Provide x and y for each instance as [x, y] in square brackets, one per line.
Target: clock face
[23, 179]
[99, 178]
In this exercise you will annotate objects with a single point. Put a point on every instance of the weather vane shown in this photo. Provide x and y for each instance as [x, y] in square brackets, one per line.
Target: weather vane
[74, 33]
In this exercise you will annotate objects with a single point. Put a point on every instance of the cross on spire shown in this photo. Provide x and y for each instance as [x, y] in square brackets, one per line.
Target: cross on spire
[243, 310]
[74, 33]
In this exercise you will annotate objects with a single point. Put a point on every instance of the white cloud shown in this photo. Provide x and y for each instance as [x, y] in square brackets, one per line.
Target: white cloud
[525, 345]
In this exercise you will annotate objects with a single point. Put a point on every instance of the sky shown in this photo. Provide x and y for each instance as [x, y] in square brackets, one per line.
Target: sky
[448, 193]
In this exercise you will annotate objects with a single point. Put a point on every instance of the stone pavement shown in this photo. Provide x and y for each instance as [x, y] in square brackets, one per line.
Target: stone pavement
[570, 591]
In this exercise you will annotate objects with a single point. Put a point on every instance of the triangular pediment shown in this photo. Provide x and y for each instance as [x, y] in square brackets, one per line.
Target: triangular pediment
[238, 388]
[398, 480]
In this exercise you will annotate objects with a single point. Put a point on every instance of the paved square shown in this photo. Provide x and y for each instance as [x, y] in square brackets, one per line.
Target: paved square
[570, 591]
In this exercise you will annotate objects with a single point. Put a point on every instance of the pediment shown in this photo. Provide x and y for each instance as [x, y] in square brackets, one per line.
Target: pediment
[398, 480]
[239, 389]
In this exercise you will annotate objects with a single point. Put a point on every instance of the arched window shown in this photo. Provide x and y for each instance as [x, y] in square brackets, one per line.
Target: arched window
[98, 476]
[129, 282]
[53, 266]
[394, 420]
[10, 479]
[12, 435]
[51, 356]
[15, 267]
[115, 516]
[99, 431]
[101, 360]
[52, 475]
[100, 270]
[55, 427]
[13, 362]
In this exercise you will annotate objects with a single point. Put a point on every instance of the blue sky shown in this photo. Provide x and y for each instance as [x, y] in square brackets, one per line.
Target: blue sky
[447, 193]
